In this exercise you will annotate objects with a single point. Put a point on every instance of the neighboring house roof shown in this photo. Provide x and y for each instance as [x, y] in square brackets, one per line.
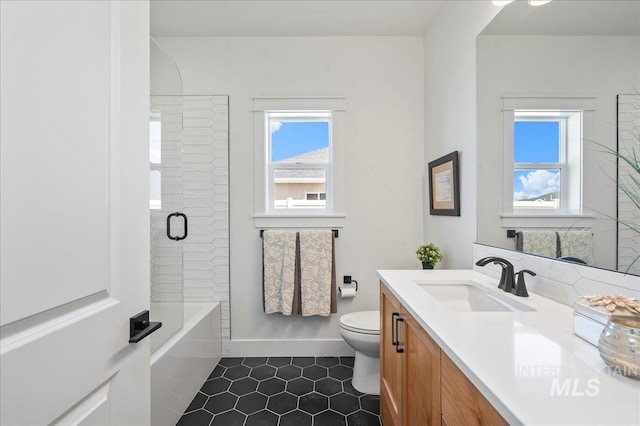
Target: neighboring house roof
[317, 156]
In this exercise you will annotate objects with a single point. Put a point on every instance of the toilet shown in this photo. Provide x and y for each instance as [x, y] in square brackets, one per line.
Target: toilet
[361, 331]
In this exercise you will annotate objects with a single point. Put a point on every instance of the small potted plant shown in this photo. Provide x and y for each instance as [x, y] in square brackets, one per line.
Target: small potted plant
[429, 255]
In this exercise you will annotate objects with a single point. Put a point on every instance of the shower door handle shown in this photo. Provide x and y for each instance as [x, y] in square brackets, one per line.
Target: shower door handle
[140, 327]
[176, 238]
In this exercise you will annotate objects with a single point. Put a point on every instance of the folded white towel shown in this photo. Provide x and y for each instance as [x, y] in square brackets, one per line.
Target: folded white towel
[316, 271]
[279, 260]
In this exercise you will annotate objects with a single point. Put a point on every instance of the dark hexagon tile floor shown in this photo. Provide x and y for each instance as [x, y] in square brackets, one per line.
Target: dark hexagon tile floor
[282, 391]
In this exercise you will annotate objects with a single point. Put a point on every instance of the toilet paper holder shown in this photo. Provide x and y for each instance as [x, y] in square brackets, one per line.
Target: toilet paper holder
[347, 280]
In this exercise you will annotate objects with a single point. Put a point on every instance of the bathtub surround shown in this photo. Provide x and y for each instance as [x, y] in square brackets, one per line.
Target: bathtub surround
[195, 180]
[184, 361]
[282, 391]
[557, 280]
[381, 80]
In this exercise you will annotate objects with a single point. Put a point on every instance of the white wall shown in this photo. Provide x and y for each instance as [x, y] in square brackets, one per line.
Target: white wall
[450, 119]
[165, 76]
[382, 80]
[599, 66]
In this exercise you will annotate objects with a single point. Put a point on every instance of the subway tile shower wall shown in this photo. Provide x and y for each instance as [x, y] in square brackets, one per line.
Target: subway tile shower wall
[195, 181]
[560, 281]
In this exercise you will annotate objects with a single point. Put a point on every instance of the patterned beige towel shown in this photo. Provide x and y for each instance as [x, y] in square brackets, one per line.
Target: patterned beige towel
[577, 244]
[279, 264]
[542, 243]
[317, 274]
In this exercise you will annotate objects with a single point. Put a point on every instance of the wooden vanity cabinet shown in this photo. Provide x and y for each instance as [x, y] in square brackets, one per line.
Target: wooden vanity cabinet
[462, 402]
[422, 384]
[391, 362]
[419, 384]
[410, 368]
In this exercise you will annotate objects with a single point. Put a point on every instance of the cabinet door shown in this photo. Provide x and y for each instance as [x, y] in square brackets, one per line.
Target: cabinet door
[462, 402]
[391, 362]
[423, 376]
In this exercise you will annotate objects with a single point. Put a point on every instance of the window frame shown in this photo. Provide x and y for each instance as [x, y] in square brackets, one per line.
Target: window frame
[562, 166]
[298, 116]
[155, 117]
[328, 217]
[571, 204]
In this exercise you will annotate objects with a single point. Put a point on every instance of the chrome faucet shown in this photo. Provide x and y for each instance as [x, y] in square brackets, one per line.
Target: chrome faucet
[508, 275]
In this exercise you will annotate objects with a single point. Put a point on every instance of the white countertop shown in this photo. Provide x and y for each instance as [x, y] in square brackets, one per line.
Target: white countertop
[529, 365]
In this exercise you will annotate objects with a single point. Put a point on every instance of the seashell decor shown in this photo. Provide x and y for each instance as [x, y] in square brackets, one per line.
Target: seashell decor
[613, 302]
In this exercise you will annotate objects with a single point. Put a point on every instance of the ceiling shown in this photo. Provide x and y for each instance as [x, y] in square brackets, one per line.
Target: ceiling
[568, 17]
[189, 18]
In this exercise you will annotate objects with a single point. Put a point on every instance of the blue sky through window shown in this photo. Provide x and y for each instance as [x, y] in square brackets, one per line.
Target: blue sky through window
[536, 142]
[291, 138]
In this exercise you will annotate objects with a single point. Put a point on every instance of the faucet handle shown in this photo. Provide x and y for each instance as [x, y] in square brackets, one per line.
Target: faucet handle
[521, 288]
[507, 276]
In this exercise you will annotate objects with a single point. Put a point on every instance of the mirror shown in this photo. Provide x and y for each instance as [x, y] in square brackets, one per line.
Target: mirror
[564, 53]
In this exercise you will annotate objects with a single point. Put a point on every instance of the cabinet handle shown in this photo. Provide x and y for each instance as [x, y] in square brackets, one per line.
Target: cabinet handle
[394, 329]
[398, 348]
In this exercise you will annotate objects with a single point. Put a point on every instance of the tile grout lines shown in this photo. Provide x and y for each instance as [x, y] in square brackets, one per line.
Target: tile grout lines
[282, 391]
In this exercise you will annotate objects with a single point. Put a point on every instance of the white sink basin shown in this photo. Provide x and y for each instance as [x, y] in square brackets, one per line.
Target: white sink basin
[472, 297]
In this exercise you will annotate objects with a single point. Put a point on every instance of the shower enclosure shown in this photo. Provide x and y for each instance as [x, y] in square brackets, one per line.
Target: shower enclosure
[189, 200]
[169, 226]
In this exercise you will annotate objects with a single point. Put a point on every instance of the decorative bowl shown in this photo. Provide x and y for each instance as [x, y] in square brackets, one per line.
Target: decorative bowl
[619, 345]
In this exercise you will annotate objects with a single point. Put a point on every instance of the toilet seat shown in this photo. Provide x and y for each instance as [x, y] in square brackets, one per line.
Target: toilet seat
[365, 322]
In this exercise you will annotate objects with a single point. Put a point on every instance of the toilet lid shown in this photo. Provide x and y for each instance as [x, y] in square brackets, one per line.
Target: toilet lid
[367, 322]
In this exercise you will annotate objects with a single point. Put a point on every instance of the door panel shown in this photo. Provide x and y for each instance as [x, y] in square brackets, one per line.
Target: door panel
[423, 377]
[55, 106]
[74, 212]
[391, 362]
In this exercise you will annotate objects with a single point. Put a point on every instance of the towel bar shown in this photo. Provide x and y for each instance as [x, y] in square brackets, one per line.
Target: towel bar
[335, 233]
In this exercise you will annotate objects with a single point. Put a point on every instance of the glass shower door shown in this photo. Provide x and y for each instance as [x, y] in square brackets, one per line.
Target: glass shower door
[169, 227]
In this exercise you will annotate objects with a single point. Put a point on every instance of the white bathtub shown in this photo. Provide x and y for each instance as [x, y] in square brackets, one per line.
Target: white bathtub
[181, 365]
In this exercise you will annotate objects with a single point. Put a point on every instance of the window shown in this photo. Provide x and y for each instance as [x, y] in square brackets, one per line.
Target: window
[315, 195]
[544, 161]
[298, 162]
[155, 160]
[547, 160]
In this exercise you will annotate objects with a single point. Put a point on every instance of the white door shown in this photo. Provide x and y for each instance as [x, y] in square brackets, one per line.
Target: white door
[74, 252]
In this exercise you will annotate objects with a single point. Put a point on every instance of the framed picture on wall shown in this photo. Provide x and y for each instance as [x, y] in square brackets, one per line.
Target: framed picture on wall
[444, 186]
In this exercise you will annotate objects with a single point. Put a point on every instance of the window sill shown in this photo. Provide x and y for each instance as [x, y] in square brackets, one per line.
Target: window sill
[530, 220]
[299, 221]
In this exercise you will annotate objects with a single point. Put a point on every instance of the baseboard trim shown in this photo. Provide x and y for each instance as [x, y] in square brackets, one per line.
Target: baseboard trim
[257, 348]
